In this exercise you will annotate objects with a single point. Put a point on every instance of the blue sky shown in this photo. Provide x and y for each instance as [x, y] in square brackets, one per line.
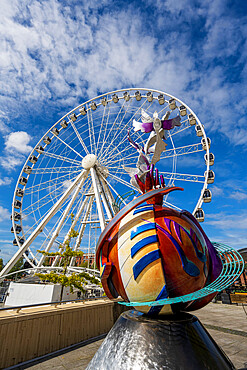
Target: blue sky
[57, 54]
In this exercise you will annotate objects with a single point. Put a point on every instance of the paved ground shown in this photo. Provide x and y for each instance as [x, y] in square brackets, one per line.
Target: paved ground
[227, 324]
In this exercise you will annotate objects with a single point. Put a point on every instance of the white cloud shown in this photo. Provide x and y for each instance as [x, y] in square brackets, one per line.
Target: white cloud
[18, 142]
[5, 181]
[15, 149]
[4, 214]
[228, 221]
[56, 52]
[216, 190]
[238, 195]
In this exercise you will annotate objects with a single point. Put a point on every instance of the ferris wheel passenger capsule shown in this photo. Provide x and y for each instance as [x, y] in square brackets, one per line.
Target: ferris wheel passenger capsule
[182, 110]
[64, 123]
[27, 170]
[17, 204]
[104, 101]
[47, 140]
[172, 104]
[198, 130]
[93, 105]
[150, 96]
[17, 216]
[199, 215]
[33, 159]
[39, 149]
[83, 111]
[138, 95]
[115, 98]
[203, 141]
[211, 159]
[23, 180]
[126, 96]
[161, 99]
[207, 196]
[17, 229]
[55, 131]
[73, 117]
[19, 192]
[211, 176]
[192, 120]
[20, 240]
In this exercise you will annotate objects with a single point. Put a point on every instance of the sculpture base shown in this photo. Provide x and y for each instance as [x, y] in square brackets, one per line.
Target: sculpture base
[137, 341]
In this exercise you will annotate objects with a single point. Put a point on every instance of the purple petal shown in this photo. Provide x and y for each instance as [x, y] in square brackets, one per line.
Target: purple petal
[168, 124]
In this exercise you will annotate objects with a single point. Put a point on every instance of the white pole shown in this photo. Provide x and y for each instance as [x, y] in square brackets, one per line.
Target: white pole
[83, 226]
[108, 193]
[42, 224]
[98, 200]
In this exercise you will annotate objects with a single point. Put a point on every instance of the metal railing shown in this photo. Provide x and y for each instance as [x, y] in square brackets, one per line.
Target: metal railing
[55, 304]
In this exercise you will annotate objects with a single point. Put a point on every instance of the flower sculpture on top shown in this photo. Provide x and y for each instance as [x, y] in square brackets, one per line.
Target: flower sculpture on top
[150, 254]
[158, 129]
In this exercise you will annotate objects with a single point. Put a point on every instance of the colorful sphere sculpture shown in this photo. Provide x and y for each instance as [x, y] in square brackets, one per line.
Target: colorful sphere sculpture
[149, 253]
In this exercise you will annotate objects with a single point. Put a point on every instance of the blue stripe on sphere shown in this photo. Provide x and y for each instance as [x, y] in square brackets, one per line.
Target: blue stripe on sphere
[144, 262]
[143, 243]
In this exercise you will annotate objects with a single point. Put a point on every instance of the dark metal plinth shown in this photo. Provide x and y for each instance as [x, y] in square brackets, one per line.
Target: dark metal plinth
[175, 342]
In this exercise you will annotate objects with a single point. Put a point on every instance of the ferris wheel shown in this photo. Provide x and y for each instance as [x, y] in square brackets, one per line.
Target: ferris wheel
[76, 178]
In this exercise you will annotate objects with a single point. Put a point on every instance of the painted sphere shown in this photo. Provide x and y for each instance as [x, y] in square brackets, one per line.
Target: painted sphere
[155, 252]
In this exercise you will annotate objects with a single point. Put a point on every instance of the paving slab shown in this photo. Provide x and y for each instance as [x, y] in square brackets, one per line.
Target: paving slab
[227, 324]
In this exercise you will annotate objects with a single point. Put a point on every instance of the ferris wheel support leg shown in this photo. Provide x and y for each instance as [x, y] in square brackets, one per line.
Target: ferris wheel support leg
[42, 224]
[95, 181]
[61, 222]
[83, 226]
[105, 200]
[108, 193]
[75, 220]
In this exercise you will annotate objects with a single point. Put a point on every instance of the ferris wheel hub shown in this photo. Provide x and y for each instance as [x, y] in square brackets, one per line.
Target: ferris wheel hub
[89, 161]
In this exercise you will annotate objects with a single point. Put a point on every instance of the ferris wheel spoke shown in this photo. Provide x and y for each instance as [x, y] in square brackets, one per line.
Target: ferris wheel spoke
[167, 204]
[183, 150]
[91, 131]
[174, 163]
[121, 181]
[182, 177]
[41, 171]
[163, 109]
[179, 129]
[51, 197]
[49, 183]
[113, 126]
[115, 121]
[79, 137]
[68, 146]
[108, 107]
[118, 156]
[28, 231]
[62, 158]
[128, 122]
[102, 127]
[114, 191]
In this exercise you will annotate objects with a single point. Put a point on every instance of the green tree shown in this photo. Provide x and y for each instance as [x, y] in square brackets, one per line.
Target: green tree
[1, 264]
[73, 280]
[18, 266]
